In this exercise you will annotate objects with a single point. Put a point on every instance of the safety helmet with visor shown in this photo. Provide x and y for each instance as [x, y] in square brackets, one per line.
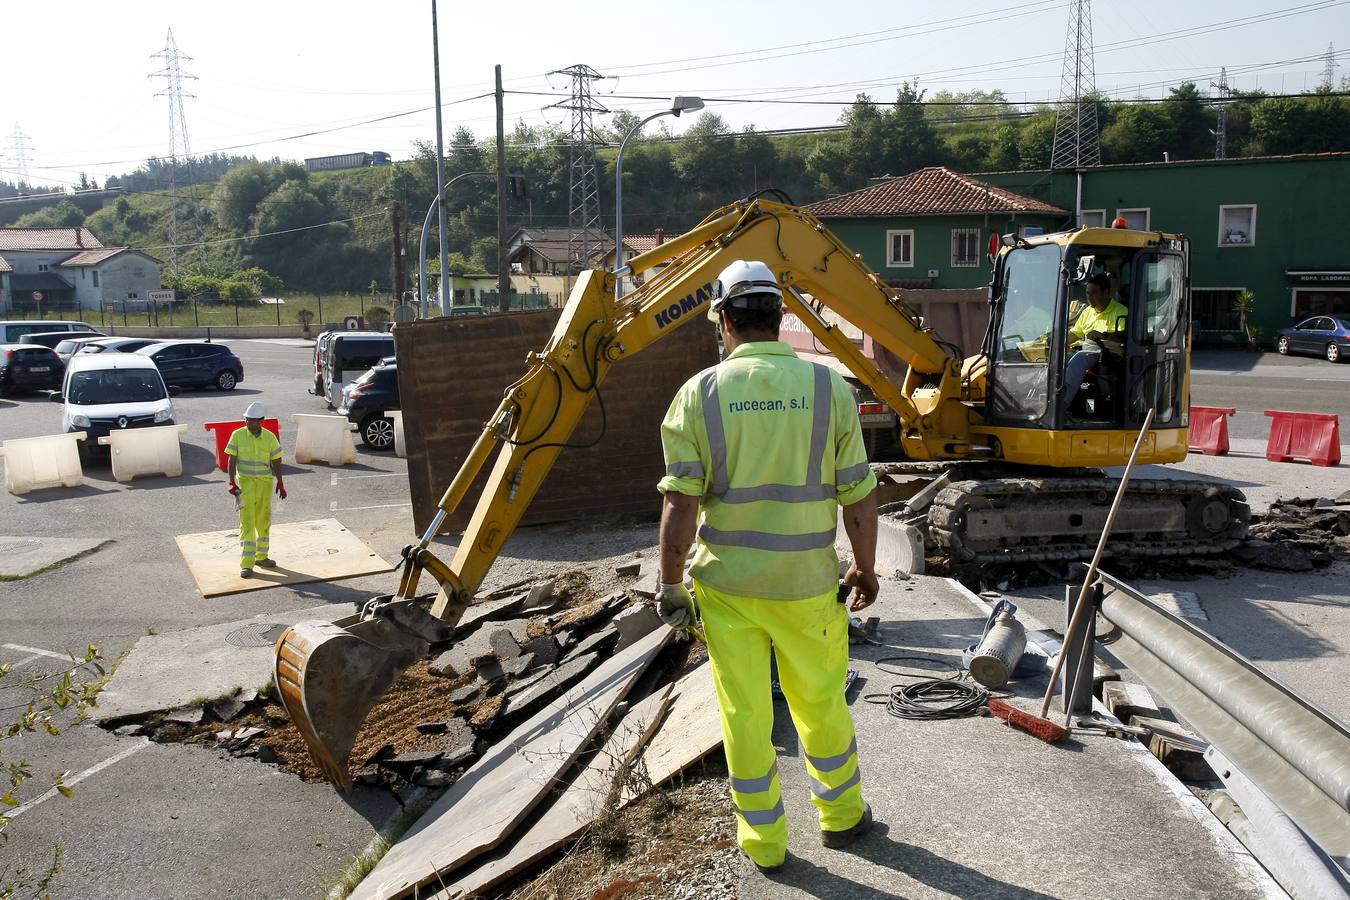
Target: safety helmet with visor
[745, 285]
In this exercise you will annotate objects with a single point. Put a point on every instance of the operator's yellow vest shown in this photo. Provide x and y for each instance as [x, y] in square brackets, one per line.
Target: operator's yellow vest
[772, 445]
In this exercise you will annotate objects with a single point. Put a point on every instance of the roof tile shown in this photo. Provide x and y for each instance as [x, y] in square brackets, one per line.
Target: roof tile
[48, 239]
[934, 191]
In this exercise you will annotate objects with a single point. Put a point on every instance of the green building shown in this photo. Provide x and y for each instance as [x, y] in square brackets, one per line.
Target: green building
[1270, 225]
[930, 229]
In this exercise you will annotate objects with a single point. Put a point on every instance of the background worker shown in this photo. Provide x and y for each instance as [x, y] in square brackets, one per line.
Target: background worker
[761, 451]
[255, 465]
[1103, 320]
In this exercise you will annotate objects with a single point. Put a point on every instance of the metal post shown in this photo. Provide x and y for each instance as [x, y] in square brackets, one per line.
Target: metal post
[1076, 677]
[320, 296]
[278, 306]
[236, 312]
[196, 318]
[503, 276]
[440, 163]
[422, 247]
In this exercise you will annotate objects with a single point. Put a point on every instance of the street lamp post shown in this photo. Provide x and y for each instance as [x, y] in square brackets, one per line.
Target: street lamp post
[446, 299]
[677, 106]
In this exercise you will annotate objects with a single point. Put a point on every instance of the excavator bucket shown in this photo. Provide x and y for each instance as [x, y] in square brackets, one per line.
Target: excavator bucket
[330, 676]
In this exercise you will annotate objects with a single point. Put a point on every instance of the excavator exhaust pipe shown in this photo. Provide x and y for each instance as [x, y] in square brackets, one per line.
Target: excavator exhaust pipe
[329, 676]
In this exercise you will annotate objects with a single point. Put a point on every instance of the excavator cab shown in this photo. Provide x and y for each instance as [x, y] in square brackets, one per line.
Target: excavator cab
[1046, 375]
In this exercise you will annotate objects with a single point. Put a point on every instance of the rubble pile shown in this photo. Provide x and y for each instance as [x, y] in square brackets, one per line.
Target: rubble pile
[515, 650]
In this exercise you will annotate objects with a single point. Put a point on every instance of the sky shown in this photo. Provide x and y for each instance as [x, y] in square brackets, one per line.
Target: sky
[269, 74]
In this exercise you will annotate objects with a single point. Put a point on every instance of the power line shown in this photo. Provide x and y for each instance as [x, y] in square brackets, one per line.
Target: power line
[252, 237]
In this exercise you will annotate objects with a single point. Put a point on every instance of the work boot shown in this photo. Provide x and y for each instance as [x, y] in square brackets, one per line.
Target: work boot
[837, 840]
[268, 563]
[245, 573]
[766, 870]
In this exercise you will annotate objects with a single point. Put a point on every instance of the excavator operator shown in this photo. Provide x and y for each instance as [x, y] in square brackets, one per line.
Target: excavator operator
[1102, 320]
[761, 450]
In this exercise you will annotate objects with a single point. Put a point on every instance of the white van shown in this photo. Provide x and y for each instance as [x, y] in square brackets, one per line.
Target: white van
[108, 391]
[13, 330]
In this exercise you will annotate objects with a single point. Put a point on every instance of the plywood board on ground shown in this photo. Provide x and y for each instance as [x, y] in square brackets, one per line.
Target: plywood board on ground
[321, 550]
[576, 809]
[488, 801]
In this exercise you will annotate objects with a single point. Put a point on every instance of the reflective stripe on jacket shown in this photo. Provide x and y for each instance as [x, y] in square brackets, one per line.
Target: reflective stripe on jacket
[253, 455]
[772, 445]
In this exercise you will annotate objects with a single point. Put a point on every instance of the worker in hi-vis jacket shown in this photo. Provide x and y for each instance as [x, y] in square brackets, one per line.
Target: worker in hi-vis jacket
[761, 451]
[254, 470]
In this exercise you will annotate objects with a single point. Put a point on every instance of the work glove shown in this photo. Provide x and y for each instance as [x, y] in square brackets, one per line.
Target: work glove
[675, 605]
[281, 489]
[234, 489]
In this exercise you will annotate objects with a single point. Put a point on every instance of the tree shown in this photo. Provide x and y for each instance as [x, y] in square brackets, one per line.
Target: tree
[485, 255]
[909, 142]
[304, 317]
[704, 159]
[62, 215]
[1036, 141]
[1141, 133]
[377, 317]
[1191, 120]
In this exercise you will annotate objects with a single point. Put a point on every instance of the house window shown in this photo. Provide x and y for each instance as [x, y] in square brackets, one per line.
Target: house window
[1237, 226]
[1135, 218]
[1212, 309]
[1094, 218]
[965, 247]
[900, 249]
[132, 295]
[42, 267]
[96, 278]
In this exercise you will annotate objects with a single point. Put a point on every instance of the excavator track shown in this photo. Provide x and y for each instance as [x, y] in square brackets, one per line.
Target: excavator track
[1030, 519]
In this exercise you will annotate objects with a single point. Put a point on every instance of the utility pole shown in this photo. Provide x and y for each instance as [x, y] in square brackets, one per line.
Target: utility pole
[173, 76]
[1077, 142]
[446, 298]
[1221, 125]
[20, 147]
[503, 276]
[396, 251]
[583, 206]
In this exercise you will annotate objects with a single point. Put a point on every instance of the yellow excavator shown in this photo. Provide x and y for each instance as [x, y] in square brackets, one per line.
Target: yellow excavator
[1019, 449]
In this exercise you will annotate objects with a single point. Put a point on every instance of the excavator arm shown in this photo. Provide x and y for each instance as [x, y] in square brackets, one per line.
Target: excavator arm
[330, 676]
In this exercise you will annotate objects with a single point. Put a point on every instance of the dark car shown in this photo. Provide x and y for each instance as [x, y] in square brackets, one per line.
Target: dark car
[50, 339]
[118, 344]
[365, 402]
[196, 364]
[1327, 336]
[29, 367]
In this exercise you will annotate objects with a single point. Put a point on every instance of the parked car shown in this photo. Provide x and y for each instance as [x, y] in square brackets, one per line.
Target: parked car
[119, 344]
[108, 391]
[50, 339]
[365, 402]
[12, 330]
[29, 367]
[196, 364]
[1327, 336]
[466, 310]
[346, 355]
[69, 347]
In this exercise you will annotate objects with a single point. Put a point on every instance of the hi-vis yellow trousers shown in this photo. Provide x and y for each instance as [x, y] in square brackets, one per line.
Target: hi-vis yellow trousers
[810, 642]
[255, 518]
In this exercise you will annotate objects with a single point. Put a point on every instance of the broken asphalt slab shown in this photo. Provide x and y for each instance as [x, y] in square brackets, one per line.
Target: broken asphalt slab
[969, 807]
[170, 670]
[23, 557]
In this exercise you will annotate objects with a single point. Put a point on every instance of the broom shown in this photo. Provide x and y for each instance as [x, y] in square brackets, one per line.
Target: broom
[1040, 726]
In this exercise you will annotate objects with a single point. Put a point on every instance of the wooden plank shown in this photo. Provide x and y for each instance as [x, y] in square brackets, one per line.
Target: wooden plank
[691, 730]
[320, 550]
[579, 806]
[445, 406]
[1181, 750]
[489, 800]
[1126, 699]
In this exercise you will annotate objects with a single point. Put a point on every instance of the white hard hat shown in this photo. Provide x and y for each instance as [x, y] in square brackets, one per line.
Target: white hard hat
[255, 411]
[745, 285]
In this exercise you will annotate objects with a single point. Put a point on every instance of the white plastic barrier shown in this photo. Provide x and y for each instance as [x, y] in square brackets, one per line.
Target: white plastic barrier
[324, 439]
[145, 451]
[400, 448]
[49, 461]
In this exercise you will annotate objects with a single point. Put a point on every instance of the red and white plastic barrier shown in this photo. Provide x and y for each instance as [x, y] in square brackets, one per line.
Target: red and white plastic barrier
[1315, 437]
[1209, 429]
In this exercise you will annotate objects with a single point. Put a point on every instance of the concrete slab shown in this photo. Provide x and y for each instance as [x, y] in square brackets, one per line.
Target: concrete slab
[165, 671]
[970, 807]
[22, 557]
[318, 550]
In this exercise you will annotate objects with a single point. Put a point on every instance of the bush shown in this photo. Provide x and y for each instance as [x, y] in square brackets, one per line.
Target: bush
[304, 317]
[377, 317]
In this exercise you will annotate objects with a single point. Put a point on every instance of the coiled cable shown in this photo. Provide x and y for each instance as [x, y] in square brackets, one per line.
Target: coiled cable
[929, 699]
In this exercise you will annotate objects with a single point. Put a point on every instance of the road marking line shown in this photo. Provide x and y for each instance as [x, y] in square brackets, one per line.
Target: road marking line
[71, 782]
[25, 661]
[38, 651]
[376, 475]
[332, 506]
[336, 508]
[333, 481]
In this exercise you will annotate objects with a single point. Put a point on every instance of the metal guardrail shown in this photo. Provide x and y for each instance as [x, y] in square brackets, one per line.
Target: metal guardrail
[1295, 753]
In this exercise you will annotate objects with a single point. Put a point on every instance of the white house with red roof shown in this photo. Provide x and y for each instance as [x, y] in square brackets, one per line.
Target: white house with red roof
[69, 268]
